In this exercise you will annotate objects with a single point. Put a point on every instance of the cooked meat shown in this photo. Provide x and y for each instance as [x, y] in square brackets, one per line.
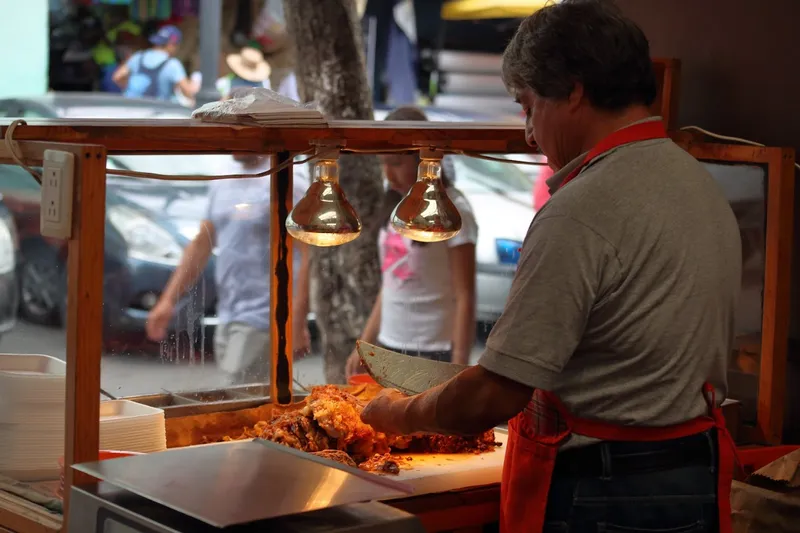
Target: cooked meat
[329, 425]
[338, 456]
[382, 463]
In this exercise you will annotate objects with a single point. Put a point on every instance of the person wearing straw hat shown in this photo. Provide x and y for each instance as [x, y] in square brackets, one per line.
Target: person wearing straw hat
[248, 69]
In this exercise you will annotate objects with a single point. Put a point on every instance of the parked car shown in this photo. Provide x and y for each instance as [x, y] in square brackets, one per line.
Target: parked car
[499, 194]
[9, 248]
[144, 236]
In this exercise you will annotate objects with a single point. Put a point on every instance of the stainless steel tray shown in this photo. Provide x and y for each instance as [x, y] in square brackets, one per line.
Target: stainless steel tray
[240, 482]
[190, 403]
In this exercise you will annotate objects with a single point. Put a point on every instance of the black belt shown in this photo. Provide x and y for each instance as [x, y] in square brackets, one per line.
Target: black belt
[623, 458]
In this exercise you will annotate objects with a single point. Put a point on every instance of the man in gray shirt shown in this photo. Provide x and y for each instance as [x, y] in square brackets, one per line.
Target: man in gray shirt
[612, 349]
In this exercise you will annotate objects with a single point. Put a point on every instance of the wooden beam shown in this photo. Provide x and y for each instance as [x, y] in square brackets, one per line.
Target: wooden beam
[166, 136]
[281, 283]
[777, 294]
[84, 313]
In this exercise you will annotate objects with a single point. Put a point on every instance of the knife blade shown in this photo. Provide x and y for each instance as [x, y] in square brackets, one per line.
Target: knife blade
[411, 375]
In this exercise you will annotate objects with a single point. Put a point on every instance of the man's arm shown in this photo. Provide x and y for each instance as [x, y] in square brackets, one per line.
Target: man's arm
[187, 88]
[121, 76]
[563, 265]
[193, 262]
[474, 401]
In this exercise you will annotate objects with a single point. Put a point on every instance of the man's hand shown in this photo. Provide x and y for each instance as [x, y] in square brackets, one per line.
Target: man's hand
[386, 412]
[353, 366]
[158, 321]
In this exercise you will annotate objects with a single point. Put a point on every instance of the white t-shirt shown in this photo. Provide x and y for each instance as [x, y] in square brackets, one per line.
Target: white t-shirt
[417, 308]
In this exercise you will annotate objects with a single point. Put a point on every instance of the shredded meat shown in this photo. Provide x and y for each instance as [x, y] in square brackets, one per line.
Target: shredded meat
[338, 456]
[383, 463]
[330, 425]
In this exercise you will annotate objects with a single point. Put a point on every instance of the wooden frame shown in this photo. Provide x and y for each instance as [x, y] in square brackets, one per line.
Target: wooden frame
[84, 305]
[774, 342]
[177, 137]
[89, 140]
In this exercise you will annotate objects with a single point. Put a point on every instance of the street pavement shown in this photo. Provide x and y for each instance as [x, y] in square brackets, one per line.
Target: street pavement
[126, 375]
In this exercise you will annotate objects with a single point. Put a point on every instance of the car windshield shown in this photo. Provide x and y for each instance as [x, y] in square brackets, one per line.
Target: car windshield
[473, 174]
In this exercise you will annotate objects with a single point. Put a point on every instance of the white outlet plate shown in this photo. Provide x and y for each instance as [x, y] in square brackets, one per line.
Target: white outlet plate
[58, 176]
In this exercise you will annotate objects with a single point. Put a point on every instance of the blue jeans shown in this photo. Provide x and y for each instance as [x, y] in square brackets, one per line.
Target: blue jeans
[674, 500]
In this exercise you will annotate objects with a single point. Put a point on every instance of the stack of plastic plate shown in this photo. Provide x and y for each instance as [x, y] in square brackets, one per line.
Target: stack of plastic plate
[32, 392]
[132, 427]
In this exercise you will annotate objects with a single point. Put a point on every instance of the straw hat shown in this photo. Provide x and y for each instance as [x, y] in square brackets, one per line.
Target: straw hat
[249, 64]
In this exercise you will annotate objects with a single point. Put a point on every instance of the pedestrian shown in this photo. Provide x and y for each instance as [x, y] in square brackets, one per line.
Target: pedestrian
[155, 72]
[610, 358]
[248, 69]
[426, 305]
[237, 224]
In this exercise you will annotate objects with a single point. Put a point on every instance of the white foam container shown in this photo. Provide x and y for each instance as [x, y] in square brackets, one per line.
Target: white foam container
[32, 378]
[131, 426]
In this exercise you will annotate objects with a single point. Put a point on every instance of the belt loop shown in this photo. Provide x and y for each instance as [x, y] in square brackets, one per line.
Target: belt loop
[605, 459]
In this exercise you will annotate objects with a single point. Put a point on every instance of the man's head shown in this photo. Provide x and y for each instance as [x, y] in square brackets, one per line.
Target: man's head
[572, 65]
[167, 37]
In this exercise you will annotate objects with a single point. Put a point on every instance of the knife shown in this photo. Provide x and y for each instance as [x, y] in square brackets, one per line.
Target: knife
[411, 375]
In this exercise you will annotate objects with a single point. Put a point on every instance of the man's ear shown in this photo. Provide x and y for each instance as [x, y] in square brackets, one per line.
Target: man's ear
[575, 98]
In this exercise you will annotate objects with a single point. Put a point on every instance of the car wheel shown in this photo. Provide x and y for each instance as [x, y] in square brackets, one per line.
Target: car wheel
[42, 287]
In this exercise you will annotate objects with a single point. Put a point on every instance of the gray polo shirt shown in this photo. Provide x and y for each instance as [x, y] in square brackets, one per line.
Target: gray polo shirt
[624, 299]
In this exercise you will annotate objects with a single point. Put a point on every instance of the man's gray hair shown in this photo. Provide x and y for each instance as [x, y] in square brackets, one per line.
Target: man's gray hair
[581, 41]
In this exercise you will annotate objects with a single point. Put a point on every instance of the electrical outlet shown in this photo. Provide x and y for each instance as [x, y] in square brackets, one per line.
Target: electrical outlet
[58, 175]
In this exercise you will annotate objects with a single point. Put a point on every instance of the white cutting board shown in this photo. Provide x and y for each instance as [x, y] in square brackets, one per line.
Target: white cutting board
[430, 474]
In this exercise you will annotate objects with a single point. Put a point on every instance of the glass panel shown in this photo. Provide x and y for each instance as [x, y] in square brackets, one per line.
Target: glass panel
[745, 188]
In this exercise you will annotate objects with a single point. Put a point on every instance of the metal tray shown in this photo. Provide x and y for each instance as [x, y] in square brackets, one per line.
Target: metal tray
[191, 403]
[240, 482]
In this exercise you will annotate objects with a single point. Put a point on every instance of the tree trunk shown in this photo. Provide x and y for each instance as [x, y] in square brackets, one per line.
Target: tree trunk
[331, 72]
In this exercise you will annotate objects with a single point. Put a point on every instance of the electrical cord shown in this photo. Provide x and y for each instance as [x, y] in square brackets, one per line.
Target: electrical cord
[320, 154]
[726, 138]
[11, 148]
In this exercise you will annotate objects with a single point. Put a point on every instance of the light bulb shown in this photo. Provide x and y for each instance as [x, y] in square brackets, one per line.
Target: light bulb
[427, 214]
[324, 217]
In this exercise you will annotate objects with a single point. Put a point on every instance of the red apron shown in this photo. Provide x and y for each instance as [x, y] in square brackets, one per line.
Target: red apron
[535, 435]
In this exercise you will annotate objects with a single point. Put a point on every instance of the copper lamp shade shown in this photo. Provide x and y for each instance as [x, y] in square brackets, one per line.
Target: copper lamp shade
[324, 217]
[427, 214]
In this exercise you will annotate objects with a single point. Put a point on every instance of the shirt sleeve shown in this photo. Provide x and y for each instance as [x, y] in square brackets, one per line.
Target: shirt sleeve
[175, 71]
[134, 61]
[469, 226]
[563, 266]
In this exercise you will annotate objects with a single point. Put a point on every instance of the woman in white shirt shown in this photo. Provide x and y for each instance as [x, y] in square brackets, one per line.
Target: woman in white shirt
[426, 306]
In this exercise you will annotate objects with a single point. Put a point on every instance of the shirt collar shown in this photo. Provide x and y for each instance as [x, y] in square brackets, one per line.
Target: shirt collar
[555, 181]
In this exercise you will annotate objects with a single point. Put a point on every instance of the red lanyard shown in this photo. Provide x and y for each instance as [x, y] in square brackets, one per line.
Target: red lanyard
[643, 131]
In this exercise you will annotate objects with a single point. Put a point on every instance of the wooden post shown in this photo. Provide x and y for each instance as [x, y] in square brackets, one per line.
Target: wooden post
[777, 294]
[85, 315]
[281, 283]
